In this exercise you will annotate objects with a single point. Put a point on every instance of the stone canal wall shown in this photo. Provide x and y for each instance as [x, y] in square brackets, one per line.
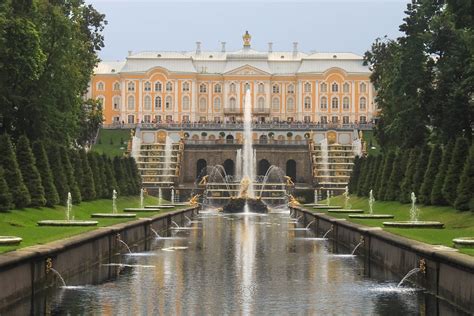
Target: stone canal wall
[449, 274]
[23, 272]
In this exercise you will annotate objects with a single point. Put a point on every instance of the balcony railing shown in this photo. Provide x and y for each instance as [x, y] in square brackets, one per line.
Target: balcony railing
[239, 126]
[260, 142]
[232, 111]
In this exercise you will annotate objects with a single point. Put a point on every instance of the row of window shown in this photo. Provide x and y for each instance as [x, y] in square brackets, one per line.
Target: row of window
[132, 119]
[158, 87]
[290, 103]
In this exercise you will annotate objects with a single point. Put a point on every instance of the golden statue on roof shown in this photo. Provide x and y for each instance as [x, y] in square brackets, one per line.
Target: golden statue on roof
[247, 37]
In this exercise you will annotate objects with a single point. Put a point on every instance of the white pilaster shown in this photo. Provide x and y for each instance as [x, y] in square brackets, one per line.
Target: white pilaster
[193, 100]
[123, 103]
[317, 109]
[176, 117]
[140, 100]
[299, 101]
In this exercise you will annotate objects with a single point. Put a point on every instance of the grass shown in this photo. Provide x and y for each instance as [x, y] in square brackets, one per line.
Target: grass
[457, 224]
[112, 142]
[22, 223]
[370, 139]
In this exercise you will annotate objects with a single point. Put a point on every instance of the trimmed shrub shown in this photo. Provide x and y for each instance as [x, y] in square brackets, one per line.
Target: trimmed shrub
[363, 172]
[421, 166]
[455, 169]
[29, 172]
[387, 170]
[378, 179]
[354, 175]
[437, 197]
[57, 169]
[373, 177]
[76, 163]
[110, 182]
[47, 181]
[12, 174]
[406, 188]
[94, 165]
[120, 176]
[69, 172]
[6, 201]
[465, 197]
[88, 186]
[396, 176]
[430, 175]
[369, 166]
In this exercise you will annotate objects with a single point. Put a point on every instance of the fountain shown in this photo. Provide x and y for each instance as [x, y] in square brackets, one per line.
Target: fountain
[461, 242]
[371, 214]
[10, 240]
[328, 205]
[328, 231]
[347, 206]
[316, 200]
[421, 268]
[142, 207]
[49, 268]
[247, 201]
[69, 218]
[119, 239]
[160, 195]
[114, 213]
[238, 164]
[414, 222]
[361, 242]
[155, 232]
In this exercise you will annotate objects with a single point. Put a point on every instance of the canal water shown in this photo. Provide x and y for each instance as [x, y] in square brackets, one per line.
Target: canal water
[237, 265]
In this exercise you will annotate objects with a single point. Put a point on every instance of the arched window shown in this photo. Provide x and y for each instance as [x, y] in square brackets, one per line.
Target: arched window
[261, 103]
[345, 88]
[185, 103]
[335, 103]
[345, 103]
[158, 103]
[363, 103]
[201, 165]
[307, 87]
[290, 104]
[291, 89]
[117, 104]
[100, 86]
[147, 103]
[147, 86]
[262, 167]
[335, 87]
[276, 88]
[202, 88]
[169, 86]
[362, 88]
[232, 103]
[217, 88]
[131, 102]
[291, 169]
[168, 103]
[158, 86]
[117, 86]
[131, 86]
[276, 104]
[203, 105]
[186, 86]
[324, 87]
[232, 87]
[229, 167]
[307, 103]
[324, 103]
[217, 104]
[261, 88]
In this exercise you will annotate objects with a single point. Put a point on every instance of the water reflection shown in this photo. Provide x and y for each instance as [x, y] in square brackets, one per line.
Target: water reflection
[234, 265]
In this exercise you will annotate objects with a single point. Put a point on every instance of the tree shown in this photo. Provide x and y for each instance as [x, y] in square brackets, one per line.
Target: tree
[110, 182]
[18, 189]
[76, 163]
[437, 197]
[91, 158]
[363, 172]
[59, 175]
[88, 186]
[387, 170]
[465, 197]
[102, 176]
[406, 187]
[378, 179]
[396, 176]
[120, 176]
[5, 195]
[430, 175]
[365, 187]
[352, 185]
[420, 169]
[69, 172]
[47, 181]
[451, 182]
[374, 175]
[29, 172]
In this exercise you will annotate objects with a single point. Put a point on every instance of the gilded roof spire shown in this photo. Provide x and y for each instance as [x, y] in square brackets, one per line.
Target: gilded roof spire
[246, 37]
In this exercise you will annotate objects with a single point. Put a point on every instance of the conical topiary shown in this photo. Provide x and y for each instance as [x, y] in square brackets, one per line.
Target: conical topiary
[465, 196]
[135, 175]
[69, 172]
[88, 186]
[387, 170]
[420, 169]
[120, 176]
[59, 176]
[378, 178]
[16, 186]
[76, 163]
[102, 177]
[91, 158]
[430, 175]
[437, 192]
[42, 163]
[369, 165]
[363, 172]
[29, 172]
[352, 185]
[406, 187]
[374, 175]
[396, 176]
[456, 166]
[5, 195]
[110, 182]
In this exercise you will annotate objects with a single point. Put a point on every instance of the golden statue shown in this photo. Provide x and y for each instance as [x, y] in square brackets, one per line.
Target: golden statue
[244, 187]
[246, 37]
[289, 181]
[203, 180]
[194, 200]
[292, 200]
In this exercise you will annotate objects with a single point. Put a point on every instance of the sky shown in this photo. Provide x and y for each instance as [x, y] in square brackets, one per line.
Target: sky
[317, 25]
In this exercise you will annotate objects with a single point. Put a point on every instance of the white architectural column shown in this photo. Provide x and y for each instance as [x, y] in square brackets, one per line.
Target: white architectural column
[193, 101]
[140, 100]
[176, 117]
[354, 103]
[123, 103]
[317, 114]
[210, 103]
[299, 101]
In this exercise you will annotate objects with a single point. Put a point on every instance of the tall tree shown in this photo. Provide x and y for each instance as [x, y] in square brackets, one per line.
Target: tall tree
[465, 196]
[42, 163]
[5, 195]
[420, 169]
[29, 172]
[111, 183]
[91, 158]
[437, 197]
[88, 186]
[396, 177]
[387, 170]
[451, 182]
[430, 175]
[354, 175]
[59, 175]
[18, 189]
[406, 186]
[69, 172]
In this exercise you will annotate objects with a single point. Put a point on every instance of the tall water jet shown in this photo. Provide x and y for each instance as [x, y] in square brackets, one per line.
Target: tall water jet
[357, 147]
[371, 214]
[414, 211]
[172, 196]
[238, 164]
[68, 221]
[325, 159]
[160, 195]
[142, 202]
[315, 196]
[69, 214]
[248, 168]
[168, 153]
[115, 213]
[114, 202]
[346, 198]
[371, 202]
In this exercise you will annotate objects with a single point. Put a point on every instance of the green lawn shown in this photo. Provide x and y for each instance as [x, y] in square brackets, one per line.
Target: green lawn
[22, 223]
[112, 142]
[457, 224]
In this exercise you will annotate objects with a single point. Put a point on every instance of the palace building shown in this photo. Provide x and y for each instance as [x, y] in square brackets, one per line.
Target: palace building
[209, 86]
